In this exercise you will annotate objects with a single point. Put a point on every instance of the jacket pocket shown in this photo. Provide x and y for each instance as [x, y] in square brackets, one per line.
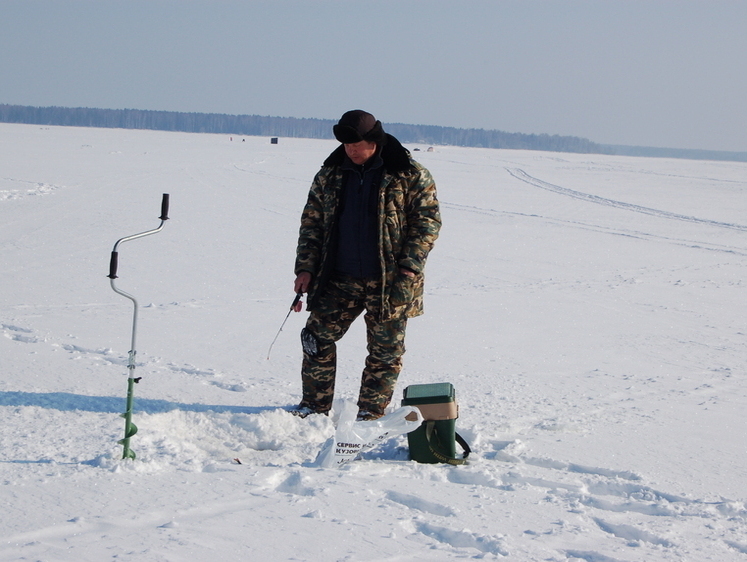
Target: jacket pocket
[403, 290]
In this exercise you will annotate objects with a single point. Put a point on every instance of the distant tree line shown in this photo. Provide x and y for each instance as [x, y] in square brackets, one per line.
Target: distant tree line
[431, 134]
[689, 154]
[251, 125]
[257, 125]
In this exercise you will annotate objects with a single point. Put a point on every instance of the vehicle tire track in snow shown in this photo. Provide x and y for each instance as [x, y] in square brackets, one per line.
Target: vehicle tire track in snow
[710, 246]
[521, 175]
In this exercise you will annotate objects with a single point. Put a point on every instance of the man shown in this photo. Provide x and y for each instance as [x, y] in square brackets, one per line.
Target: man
[370, 221]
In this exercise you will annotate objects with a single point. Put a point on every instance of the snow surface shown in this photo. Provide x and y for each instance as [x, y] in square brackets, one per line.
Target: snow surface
[590, 311]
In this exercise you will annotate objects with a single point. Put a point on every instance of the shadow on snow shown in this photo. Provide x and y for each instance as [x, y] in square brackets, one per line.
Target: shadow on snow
[66, 401]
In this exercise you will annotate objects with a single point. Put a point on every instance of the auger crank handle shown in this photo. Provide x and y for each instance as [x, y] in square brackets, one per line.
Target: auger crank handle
[115, 256]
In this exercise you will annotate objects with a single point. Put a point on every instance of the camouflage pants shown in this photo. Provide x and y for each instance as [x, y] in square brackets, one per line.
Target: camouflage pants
[344, 299]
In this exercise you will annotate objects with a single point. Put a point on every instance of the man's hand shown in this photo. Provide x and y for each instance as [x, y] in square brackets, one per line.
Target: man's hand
[301, 285]
[406, 272]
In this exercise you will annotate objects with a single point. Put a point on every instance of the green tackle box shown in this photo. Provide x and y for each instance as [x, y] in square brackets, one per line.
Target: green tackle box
[435, 439]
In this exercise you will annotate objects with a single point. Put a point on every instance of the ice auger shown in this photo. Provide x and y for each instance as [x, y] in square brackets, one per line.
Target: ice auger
[131, 428]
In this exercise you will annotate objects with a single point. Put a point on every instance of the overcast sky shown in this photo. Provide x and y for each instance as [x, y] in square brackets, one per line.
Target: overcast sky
[668, 73]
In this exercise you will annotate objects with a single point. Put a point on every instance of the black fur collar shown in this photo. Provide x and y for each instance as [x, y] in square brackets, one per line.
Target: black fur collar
[395, 156]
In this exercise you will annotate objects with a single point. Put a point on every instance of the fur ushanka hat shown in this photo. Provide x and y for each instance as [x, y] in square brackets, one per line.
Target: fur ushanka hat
[358, 125]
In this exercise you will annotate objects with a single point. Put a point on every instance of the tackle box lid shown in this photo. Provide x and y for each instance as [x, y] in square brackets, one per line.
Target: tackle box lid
[436, 393]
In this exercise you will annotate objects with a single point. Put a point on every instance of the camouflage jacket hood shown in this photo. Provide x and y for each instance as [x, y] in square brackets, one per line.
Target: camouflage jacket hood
[409, 222]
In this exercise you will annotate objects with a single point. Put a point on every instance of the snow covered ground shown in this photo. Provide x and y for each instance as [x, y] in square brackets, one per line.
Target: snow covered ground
[590, 311]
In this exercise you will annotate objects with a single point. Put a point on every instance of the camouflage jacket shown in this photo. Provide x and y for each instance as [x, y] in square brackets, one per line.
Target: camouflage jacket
[409, 222]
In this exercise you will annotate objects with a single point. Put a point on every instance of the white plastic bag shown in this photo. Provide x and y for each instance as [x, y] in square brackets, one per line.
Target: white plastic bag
[352, 438]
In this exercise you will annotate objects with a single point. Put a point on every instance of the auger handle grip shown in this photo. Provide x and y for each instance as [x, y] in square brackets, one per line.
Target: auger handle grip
[113, 265]
[165, 207]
